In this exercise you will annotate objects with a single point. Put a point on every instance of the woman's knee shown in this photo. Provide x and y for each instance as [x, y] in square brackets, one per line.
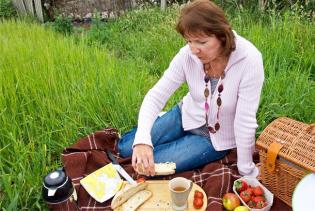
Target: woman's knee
[167, 127]
[124, 151]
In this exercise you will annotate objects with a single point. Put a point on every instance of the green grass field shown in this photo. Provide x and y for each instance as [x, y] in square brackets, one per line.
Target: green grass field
[55, 89]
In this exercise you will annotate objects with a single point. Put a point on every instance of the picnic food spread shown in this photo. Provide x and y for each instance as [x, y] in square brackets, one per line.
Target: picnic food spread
[160, 198]
[82, 158]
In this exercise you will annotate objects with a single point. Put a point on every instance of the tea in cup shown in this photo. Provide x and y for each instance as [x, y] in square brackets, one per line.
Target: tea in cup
[180, 188]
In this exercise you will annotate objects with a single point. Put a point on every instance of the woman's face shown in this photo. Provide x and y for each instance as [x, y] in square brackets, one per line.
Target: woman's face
[205, 47]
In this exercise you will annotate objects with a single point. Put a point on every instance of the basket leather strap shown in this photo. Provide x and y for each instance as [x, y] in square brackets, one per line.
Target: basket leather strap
[272, 153]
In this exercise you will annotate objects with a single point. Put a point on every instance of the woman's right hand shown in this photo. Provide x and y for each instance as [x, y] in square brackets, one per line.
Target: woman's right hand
[142, 159]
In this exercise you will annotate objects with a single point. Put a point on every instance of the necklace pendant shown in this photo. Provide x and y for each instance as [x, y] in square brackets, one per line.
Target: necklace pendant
[211, 129]
[206, 93]
[206, 107]
[207, 79]
[217, 126]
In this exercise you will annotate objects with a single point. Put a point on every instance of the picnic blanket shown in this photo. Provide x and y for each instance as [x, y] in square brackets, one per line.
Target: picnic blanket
[89, 154]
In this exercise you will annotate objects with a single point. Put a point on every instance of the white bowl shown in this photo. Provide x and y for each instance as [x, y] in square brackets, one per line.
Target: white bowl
[254, 182]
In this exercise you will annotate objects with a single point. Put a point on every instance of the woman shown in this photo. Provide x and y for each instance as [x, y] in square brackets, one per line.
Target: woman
[224, 73]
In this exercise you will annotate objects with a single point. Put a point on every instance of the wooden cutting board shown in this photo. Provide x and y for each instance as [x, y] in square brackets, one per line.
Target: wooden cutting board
[161, 197]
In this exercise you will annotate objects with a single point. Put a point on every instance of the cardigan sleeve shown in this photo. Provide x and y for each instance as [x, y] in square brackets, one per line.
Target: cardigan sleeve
[245, 122]
[157, 96]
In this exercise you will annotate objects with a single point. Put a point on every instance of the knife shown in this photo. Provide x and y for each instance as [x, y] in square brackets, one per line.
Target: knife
[120, 169]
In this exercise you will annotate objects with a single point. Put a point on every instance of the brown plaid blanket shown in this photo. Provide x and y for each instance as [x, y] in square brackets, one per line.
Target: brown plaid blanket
[89, 154]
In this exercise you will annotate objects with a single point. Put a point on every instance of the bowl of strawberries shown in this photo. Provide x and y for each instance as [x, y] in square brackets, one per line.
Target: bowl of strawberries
[253, 194]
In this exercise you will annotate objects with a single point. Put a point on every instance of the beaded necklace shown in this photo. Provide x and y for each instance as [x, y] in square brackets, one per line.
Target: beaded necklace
[207, 68]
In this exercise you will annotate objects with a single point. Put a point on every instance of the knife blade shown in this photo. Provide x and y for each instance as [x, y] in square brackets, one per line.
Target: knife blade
[120, 169]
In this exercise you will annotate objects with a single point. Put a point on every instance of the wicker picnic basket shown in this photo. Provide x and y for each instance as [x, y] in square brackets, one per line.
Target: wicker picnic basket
[287, 153]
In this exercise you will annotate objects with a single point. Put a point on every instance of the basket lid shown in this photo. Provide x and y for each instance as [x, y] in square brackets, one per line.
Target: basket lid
[297, 138]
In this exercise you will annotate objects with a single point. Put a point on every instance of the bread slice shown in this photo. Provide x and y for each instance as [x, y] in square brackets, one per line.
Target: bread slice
[135, 201]
[123, 195]
[160, 168]
[165, 168]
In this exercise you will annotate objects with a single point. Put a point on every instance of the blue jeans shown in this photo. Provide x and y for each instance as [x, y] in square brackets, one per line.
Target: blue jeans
[173, 144]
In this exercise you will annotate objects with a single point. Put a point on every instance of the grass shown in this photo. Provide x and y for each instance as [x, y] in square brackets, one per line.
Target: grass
[56, 89]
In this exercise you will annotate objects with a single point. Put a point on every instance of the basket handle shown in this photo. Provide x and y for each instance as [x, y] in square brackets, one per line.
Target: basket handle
[272, 154]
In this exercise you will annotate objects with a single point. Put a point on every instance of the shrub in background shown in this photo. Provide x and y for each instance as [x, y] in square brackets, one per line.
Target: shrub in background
[63, 25]
[6, 9]
[146, 34]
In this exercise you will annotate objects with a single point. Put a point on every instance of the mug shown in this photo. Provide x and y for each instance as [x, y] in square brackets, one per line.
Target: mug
[58, 190]
[180, 188]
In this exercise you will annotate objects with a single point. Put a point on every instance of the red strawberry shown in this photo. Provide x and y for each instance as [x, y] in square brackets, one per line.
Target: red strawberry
[251, 204]
[245, 196]
[261, 204]
[259, 199]
[240, 185]
[250, 190]
[258, 191]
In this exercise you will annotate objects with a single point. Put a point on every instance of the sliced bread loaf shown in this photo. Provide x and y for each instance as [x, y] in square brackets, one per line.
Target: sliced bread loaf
[135, 201]
[123, 195]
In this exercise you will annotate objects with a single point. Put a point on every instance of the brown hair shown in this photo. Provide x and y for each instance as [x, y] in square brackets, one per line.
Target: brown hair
[205, 17]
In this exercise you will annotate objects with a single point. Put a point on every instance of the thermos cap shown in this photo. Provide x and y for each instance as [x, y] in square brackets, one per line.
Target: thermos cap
[55, 179]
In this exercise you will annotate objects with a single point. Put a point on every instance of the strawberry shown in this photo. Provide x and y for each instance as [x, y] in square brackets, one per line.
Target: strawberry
[240, 185]
[250, 190]
[251, 204]
[259, 199]
[245, 196]
[260, 204]
[258, 191]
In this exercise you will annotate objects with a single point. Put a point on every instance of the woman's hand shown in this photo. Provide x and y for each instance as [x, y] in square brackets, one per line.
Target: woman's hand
[142, 159]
